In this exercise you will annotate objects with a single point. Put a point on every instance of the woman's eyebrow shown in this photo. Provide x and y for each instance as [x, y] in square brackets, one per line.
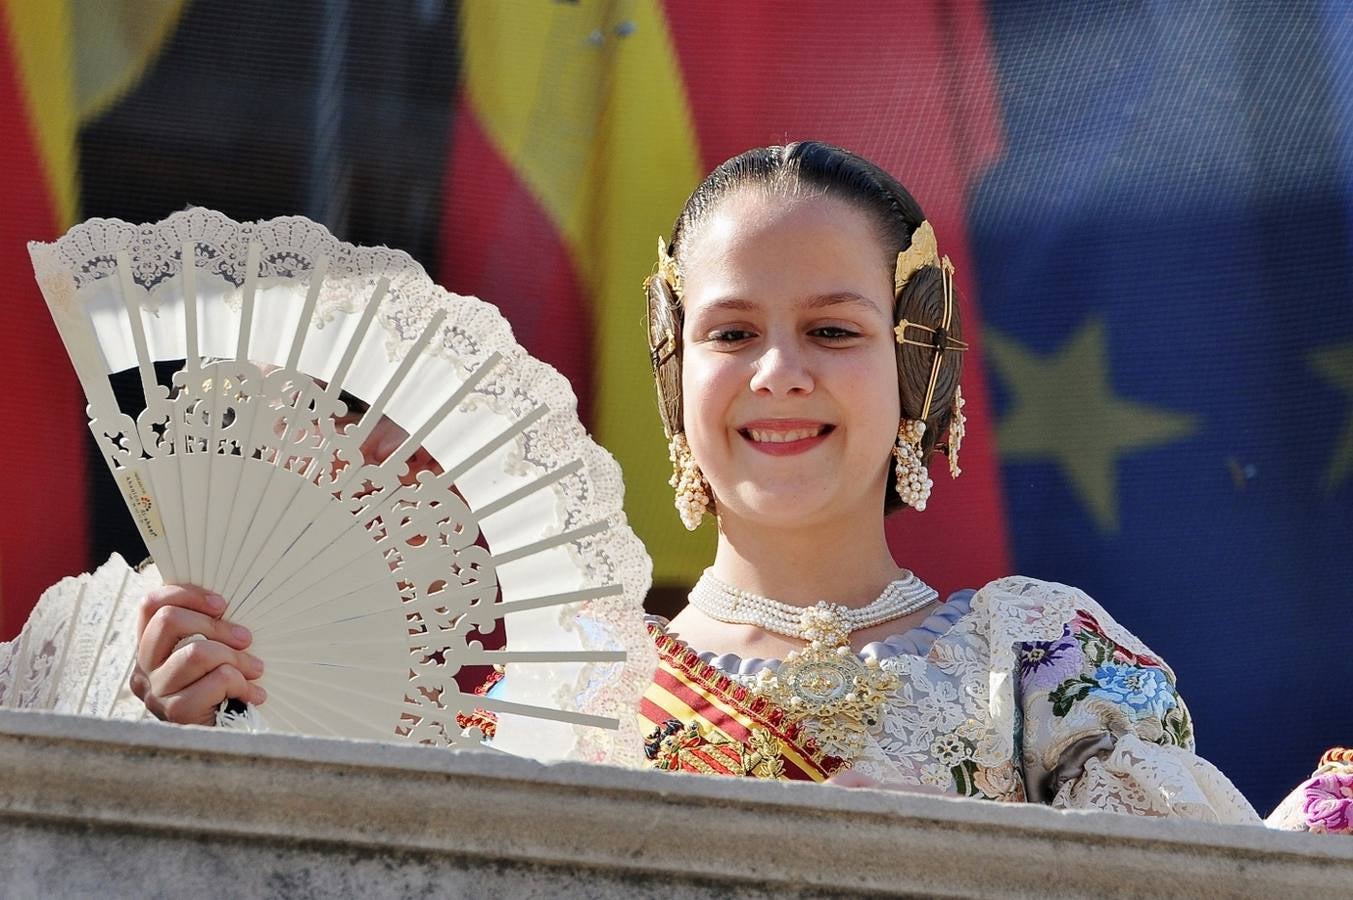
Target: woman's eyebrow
[733, 303]
[816, 301]
[835, 299]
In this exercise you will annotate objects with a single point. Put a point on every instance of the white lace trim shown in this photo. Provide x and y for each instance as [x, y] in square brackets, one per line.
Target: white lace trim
[1141, 779]
[75, 652]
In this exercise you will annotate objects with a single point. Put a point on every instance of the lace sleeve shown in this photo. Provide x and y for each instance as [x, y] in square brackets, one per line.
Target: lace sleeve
[1145, 779]
[1105, 728]
[75, 652]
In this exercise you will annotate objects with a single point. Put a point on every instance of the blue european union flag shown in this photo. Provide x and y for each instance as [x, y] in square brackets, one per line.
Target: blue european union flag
[1165, 265]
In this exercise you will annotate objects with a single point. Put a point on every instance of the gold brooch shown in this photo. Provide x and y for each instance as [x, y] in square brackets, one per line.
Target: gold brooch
[838, 697]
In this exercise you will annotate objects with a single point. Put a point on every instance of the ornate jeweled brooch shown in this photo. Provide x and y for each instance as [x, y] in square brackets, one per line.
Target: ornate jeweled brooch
[837, 696]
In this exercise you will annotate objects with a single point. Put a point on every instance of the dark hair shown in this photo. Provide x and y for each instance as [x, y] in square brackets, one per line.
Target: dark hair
[798, 169]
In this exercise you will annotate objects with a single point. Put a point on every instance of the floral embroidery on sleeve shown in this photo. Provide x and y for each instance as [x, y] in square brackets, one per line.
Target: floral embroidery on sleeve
[1046, 664]
[1086, 667]
[1146, 692]
[1094, 716]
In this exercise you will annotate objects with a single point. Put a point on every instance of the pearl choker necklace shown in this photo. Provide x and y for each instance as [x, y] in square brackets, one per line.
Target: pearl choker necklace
[727, 604]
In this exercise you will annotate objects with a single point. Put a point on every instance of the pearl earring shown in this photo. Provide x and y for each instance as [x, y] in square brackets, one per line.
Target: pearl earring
[957, 428]
[692, 493]
[913, 480]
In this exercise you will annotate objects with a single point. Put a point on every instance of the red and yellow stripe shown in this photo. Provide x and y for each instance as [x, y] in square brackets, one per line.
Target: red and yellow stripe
[687, 689]
[573, 150]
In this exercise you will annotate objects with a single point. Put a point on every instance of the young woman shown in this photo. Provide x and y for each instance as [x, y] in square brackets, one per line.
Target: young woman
[807, 347]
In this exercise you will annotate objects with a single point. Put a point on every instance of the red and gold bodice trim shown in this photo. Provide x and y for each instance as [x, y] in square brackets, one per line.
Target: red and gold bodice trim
[699, 720]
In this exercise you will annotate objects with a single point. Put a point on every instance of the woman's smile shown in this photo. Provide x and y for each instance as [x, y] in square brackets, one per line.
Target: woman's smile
[785, 437]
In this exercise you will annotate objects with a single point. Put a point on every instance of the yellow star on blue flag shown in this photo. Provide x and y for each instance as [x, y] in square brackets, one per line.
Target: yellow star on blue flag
[1335, 365]
[1064, 409]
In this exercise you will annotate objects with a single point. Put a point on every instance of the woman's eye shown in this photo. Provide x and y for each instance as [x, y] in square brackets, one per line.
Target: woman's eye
[835, 333]
[729, 335]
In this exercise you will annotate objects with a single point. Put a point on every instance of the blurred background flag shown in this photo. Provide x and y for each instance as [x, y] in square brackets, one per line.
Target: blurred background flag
[1148, 205]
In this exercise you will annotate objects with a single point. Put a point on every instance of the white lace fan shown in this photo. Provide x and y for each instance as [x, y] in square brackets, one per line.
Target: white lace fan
[363, 582]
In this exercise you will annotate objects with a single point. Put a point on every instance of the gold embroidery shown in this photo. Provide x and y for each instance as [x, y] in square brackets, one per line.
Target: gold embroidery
[801, 753]
[761, 755]
[707, 751]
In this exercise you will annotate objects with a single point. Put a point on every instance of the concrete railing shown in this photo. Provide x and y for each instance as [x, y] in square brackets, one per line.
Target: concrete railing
[97, 808]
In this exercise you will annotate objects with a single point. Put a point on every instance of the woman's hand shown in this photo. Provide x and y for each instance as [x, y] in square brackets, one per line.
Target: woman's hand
[184, 681]
[851, 779]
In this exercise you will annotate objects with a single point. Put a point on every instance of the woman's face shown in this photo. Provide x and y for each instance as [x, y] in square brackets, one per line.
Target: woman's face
[789, 375]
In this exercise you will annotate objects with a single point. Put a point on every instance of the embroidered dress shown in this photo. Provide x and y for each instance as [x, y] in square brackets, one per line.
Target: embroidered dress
[1023, 690]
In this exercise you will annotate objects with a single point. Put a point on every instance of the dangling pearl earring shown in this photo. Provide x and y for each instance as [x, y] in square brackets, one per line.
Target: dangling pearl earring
[957, 428]
[692, 493]
[913, 480]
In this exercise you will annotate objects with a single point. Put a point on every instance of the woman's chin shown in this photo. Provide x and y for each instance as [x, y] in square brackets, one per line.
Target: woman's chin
[780, 509]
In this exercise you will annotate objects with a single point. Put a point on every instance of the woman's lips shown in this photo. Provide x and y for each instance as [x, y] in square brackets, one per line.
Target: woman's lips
[785, 437]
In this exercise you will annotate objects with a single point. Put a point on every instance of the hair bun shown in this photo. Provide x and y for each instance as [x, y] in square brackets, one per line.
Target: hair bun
[921, 304]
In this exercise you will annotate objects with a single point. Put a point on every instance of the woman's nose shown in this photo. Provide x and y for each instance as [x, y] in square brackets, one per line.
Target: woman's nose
[782, 369]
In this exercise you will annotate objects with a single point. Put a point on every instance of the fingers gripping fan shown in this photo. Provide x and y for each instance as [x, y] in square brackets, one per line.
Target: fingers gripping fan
[372, 473]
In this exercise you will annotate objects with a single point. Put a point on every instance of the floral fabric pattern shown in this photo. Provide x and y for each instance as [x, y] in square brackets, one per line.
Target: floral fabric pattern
[1046, 664]
[1076, 731]
[1323, 804]
[1145, 692]
[1329, 803]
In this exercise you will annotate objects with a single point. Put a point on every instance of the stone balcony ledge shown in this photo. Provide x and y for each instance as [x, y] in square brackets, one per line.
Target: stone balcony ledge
[97, 808]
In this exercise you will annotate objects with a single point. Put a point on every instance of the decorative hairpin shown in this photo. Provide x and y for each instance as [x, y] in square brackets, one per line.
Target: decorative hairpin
[923, 251]
[913, 482]
[667, 268]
